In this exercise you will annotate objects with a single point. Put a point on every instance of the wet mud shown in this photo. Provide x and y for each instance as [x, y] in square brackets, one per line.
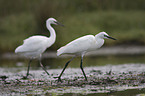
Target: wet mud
[101, 79]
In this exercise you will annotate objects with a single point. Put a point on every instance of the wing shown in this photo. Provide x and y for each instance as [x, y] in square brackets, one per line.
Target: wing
[34, 40]
[32, 44]
[77, 46]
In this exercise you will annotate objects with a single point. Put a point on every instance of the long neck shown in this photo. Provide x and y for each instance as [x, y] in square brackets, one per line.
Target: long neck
[52, 33]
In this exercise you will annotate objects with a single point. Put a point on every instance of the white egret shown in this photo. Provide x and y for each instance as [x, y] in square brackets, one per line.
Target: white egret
[34, 46]
[82, 45]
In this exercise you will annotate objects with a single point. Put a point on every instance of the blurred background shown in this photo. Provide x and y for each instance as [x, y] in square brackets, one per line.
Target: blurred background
[121, 19]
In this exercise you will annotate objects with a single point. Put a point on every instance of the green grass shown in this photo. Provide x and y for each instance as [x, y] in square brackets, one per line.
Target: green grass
[123, 20]
[126, 26]
[14, 29]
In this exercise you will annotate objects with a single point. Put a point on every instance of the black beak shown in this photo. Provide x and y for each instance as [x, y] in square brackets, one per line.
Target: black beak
[59, 24]
[110, 37]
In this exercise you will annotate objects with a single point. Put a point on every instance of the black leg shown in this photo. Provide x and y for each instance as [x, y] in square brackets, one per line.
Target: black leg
[28, 68]
[43, 66]
[82, 68]
[59, 77]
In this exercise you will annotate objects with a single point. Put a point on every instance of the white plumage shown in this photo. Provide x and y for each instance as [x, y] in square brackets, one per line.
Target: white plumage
[82, 45]
[34, 46]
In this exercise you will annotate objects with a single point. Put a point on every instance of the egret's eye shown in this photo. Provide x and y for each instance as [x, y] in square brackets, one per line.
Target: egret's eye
[55, 21]
[105, 36]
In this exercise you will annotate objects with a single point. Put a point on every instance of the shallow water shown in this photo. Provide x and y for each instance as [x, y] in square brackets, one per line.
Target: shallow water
[53, 63]
[107, 75]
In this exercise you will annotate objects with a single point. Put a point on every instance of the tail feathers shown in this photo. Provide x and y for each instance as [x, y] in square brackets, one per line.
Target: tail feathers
[60, 51]
[19, 49]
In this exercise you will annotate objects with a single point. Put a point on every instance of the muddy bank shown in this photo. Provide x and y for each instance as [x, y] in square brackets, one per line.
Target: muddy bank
[104, 79]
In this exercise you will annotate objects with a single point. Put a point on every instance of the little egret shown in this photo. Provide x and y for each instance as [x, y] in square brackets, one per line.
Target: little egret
[34, 46]
[82, 45]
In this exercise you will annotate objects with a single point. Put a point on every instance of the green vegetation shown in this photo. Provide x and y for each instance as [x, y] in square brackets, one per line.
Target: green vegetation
[122, 19]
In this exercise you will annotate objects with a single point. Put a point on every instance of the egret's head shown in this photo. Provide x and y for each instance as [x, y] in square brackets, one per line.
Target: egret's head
[53, 21]
[105, 35]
